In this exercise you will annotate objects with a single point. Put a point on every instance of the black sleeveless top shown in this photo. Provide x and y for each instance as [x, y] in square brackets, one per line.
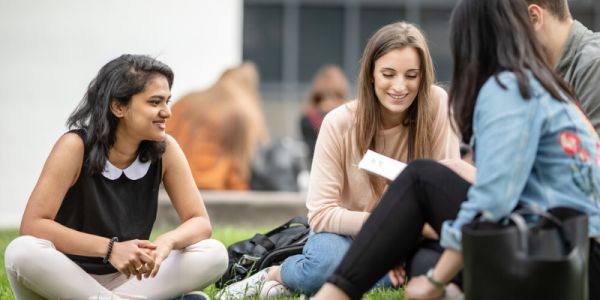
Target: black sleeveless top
[119, 207]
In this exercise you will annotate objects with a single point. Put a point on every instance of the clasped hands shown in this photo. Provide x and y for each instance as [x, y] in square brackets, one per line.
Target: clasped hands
[140, 258]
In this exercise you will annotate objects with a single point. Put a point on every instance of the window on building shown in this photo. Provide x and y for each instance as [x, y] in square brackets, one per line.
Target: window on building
[263, 39]
[373, 18]
[435, 23]
[321, 39]
[320, 30]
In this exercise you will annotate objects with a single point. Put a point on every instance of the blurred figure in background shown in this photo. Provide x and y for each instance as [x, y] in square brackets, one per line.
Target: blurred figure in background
[219, 129]
[329, 89]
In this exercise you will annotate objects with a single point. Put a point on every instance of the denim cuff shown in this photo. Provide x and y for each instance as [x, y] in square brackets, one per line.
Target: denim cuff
[451, 237]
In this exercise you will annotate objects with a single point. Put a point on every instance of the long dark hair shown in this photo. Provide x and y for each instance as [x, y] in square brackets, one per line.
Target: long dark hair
[488, 37]
[118, 80]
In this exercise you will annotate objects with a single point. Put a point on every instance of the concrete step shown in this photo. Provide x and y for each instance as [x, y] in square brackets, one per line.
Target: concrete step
[248, 209]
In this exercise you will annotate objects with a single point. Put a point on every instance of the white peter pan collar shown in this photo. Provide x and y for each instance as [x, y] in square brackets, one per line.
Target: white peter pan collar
[135, 171]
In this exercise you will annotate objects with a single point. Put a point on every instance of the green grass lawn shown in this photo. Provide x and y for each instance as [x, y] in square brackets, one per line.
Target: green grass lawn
[227, 235]
[5, 237]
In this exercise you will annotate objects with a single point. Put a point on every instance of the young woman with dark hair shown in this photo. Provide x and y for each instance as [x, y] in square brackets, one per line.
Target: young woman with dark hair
[85, 230]
[532, 145]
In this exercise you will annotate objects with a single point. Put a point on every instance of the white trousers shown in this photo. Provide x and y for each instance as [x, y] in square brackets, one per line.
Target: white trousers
[36, 270]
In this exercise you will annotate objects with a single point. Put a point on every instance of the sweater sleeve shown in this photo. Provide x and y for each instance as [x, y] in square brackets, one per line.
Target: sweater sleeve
[326, 183]
[445, 142]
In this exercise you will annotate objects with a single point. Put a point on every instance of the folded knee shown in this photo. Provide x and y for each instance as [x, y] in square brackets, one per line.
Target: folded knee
[23, 250]
[221, 256]
[218, 257]
[317, 279]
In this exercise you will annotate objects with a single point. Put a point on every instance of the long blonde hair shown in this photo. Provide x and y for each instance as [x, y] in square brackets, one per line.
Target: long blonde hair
[369, 112]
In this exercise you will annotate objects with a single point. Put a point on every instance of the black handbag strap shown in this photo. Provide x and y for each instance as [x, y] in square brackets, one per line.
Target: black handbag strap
[263, 242]
[537, 211]
[521, 224]
[517, 217]
[294, 221]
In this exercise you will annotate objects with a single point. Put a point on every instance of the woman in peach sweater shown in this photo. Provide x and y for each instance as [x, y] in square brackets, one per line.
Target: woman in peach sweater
[399, 113]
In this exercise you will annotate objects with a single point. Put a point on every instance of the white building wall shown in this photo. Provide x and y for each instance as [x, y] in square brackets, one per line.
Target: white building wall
[51, 49]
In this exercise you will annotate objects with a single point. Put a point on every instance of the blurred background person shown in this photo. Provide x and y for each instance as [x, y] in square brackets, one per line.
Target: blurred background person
[329, 89]
[220, 127]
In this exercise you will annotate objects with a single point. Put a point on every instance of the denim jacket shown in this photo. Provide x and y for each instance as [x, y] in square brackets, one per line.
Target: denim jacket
[536, 151]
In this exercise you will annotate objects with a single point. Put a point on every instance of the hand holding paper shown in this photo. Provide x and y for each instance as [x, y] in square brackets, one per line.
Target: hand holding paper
[381, 165]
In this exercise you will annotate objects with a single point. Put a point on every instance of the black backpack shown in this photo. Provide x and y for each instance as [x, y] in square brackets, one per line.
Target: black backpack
[264, 250]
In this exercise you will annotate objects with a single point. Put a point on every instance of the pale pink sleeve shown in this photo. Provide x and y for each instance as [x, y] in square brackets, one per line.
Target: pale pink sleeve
[327, 179]
[445, 141]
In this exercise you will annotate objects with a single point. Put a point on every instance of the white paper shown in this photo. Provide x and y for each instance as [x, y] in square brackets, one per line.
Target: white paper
[381, 165]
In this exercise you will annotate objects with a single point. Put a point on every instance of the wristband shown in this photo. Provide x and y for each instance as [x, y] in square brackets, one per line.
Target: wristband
[109, 249]
[436, 283]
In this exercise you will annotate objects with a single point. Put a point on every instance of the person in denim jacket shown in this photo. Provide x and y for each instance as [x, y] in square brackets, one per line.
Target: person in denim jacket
[533, 146]
[548, 155]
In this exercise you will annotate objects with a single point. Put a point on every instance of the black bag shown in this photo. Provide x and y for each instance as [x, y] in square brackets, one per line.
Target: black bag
[512, 259]
[264, 250]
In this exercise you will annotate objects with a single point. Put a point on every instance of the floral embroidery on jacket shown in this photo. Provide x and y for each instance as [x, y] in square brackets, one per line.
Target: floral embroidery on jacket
[597, 154]
[570, 142]
[584, 155]
[581, 166]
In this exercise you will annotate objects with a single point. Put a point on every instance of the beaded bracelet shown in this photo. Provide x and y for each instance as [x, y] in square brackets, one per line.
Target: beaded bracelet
[109, 250]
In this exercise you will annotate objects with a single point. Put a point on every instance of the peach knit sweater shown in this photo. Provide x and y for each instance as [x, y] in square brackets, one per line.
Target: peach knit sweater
[339, 197]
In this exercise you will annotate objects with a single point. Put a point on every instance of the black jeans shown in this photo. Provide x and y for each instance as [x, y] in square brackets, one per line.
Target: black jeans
[425, 192]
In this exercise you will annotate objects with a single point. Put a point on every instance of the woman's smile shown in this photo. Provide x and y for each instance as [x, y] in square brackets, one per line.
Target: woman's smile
[161, 124]
[397, 98]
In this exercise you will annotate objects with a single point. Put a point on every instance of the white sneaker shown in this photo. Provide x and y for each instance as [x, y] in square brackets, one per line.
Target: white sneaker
[244, 288]
[274, 289]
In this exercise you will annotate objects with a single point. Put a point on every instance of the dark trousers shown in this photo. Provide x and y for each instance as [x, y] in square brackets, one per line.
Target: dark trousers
[425, 192]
